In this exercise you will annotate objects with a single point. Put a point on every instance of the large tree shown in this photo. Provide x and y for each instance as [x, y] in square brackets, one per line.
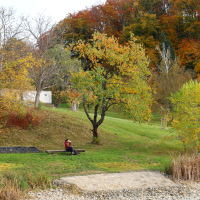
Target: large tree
[114, 74]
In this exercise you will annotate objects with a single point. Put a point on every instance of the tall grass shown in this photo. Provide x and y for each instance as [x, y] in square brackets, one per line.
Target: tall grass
[8, 191]
[13, 184]
[186, 167]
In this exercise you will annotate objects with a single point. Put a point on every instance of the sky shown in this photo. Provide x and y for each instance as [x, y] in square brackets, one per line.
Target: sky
[56, 9]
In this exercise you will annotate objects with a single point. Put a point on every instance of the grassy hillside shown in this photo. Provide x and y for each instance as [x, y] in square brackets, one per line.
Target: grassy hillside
[125, 146]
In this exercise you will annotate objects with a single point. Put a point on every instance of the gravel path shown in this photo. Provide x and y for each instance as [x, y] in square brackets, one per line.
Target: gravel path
[120, 186]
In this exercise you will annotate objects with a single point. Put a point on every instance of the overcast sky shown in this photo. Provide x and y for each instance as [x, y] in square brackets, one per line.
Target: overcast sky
[56, 9]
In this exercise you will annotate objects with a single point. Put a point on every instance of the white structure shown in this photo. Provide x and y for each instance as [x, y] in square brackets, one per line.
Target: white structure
[45, 96]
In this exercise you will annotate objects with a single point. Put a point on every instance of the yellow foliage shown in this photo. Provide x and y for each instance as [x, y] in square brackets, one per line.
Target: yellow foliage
[14, 81]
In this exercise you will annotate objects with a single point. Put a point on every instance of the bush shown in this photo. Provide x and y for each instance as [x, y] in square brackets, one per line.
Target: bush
[186, 167]
[28, 120]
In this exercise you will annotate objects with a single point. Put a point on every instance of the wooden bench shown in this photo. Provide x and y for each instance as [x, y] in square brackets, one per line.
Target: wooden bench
[62, 151]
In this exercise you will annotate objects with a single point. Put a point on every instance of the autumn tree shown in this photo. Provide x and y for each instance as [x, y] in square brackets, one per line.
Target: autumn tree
[74, 27]
[114, 74]
[189, 52]
[187, 114]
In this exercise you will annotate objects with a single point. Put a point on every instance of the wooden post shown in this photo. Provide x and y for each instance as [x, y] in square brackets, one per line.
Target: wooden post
[163, 123]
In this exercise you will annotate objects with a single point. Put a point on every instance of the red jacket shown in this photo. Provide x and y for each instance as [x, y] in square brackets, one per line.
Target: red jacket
[67, 145]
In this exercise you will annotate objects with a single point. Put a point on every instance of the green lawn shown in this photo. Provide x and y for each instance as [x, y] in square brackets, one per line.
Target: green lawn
[125, 146]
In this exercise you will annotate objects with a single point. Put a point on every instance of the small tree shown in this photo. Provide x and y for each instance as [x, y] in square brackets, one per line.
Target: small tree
[186, 114]
[114, 74]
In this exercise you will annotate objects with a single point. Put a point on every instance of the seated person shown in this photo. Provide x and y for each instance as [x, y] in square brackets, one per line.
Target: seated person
[68, 147]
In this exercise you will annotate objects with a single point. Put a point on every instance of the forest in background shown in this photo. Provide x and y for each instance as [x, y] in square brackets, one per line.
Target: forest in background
[152, 22]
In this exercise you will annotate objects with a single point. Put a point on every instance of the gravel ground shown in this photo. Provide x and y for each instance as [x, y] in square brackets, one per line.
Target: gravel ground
[119, 186]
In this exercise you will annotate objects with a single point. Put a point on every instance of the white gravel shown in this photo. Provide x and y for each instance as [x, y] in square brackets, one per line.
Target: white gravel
[118, 181]
[121, 186]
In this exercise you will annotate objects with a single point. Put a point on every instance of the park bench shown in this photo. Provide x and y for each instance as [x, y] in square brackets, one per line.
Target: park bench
[62, 151]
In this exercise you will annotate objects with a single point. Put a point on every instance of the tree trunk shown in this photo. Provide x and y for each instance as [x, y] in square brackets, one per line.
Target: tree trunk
[59, 102]
[94, 121]
[95, 134]
[88, 106]
[37, 98]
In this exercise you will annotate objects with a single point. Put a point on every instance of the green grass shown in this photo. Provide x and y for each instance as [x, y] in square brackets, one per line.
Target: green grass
[125, 146]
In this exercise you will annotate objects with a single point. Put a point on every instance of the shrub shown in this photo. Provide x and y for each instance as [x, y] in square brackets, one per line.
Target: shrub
[186, 167]
[26, 121]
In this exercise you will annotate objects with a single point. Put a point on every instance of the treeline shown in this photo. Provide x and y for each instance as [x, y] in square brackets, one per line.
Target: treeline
[178, 19]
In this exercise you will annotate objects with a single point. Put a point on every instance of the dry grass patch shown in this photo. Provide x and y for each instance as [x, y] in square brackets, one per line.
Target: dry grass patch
[186, 167]
[9, 191]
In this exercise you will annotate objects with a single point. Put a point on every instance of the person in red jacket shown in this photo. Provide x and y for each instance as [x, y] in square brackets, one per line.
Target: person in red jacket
[68, 147]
